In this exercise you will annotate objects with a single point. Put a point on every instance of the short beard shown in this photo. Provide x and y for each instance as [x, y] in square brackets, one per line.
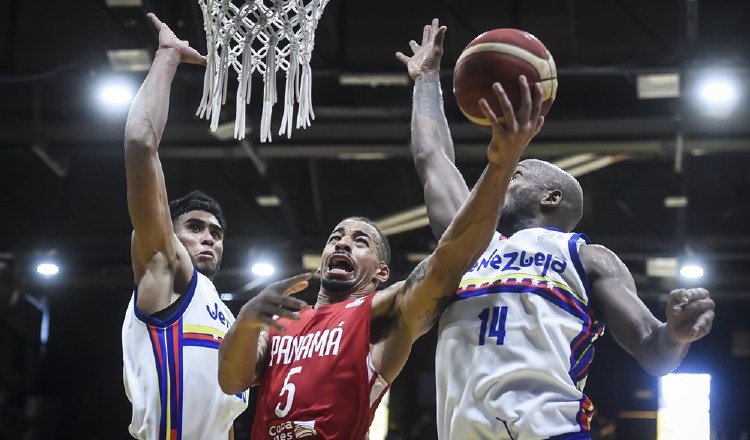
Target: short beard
[337, 286]
[208, 272]
[518, 213]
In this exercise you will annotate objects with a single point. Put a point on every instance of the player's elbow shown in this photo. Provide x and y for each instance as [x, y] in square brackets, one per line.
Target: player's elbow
[229, 384]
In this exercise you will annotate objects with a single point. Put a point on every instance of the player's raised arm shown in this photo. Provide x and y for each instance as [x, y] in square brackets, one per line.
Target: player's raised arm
[244, 349]
[659, 347]
[431, 143]
[421, 299]
[147, 195]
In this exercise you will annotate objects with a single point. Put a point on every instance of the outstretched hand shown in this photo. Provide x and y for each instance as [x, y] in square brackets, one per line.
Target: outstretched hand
[275, 301]
[168, 40]
[512, 132]
[690, 314]
[426, 57]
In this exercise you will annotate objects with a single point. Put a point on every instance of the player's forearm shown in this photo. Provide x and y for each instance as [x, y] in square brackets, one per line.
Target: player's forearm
[474, 225]
[660, 353]
[238, 356]
[148, 113]
[432, 147]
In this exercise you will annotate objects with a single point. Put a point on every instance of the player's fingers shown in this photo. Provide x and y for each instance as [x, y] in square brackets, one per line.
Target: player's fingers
[435, 24]
[272, 323]
[297, 287]
[440, 36]
[154, 20]
[285, 313]
[283, 285]
[695, 308]
[293, 303]
[536, 107]
[703, 324]
[539, 124]
[489, 114]
[414, 46]
[698, 293]
[509, 116]
[524, 111]
[426, 33]
[403, 58]
[678, 298]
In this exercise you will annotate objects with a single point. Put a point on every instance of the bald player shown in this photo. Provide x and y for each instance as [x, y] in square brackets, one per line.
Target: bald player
[322, 371]
[515, 345]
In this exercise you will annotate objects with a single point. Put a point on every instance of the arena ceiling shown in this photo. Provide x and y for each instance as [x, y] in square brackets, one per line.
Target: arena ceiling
[63, 177]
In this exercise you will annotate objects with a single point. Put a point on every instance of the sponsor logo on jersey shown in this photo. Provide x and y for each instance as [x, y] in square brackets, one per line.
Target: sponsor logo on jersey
[286, 349]
[291, 430]
[515, 261]
[357, 302]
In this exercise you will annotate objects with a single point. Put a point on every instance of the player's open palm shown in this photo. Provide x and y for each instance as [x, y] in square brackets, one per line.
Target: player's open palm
[512, 131]
[167, 39]
[275, 301]
[690, 314]
[426, 57]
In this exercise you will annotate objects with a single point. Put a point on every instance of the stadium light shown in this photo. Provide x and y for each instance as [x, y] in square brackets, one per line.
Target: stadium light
[115, 94]
[718, 94]
[691, 271]
[263, 269]
[47, 269]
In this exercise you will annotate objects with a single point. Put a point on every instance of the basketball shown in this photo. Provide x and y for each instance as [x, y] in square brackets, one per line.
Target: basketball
[502, 55]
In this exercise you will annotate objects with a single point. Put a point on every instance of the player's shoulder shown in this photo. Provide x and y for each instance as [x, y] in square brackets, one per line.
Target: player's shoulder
[596, 257]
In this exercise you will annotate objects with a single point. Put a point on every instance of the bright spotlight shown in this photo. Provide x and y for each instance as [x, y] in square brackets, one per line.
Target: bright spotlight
[691, 271]
[718, 92]
[263, 269]
[115, 94]
[47, 269]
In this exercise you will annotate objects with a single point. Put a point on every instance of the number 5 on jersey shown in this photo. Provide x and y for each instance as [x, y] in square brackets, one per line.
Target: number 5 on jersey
[497, 325]
[288, 388]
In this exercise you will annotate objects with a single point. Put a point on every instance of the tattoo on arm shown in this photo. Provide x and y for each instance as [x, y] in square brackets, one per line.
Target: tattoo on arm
[416, 275]
[428, 317]
[260, 365]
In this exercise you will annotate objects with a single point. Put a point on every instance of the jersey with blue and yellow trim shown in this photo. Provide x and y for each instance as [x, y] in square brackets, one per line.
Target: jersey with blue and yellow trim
[170, 368]
[515, 345]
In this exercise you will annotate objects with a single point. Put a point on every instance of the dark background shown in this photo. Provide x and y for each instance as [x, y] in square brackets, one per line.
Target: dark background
[63, 186]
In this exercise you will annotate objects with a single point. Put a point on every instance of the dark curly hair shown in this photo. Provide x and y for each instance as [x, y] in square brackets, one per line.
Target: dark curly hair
[197, 201]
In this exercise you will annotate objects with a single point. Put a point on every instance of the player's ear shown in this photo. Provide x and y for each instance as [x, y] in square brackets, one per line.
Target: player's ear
[552, 199]
[383, 273]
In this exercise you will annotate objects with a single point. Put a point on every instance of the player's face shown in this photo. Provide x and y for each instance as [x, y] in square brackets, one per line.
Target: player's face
[521, 200]
[200, 233]
[351, 259]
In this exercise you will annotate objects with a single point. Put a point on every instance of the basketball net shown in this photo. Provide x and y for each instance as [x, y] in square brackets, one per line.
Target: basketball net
[262, 36]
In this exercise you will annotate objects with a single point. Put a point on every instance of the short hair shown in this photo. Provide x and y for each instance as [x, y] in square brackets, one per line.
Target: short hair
[552, 177]
[383, 246]
[197, 201]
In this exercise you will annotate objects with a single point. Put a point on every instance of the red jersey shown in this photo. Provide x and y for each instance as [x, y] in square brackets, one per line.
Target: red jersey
[320, 382]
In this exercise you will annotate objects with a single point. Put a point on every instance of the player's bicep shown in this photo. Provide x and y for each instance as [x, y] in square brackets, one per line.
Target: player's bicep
[614, 296]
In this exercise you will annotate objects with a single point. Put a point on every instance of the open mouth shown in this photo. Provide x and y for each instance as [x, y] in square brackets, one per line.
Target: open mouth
[340, 266]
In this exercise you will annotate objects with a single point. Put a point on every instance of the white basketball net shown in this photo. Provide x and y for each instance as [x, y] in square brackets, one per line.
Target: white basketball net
[261, 36]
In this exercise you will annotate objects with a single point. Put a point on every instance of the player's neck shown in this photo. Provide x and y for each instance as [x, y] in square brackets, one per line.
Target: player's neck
[326, 298]
[509, 228]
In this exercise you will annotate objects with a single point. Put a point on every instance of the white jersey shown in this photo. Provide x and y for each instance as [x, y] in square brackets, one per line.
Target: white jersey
[514, 347]
[171, 368]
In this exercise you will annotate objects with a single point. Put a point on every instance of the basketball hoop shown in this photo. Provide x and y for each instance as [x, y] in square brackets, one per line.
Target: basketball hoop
[262, 36]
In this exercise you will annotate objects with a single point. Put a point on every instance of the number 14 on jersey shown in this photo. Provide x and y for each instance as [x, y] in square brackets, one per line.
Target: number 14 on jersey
[496, 321]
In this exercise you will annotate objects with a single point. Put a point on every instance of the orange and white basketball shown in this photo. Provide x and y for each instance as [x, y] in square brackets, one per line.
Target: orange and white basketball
[502, 55]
